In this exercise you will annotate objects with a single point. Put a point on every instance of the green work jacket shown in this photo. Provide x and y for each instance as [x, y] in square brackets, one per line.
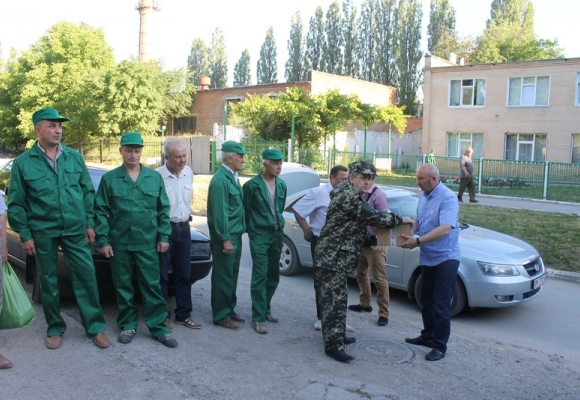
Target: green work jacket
[132, 215]
[225, 208]
[43, 203]
[259, 217]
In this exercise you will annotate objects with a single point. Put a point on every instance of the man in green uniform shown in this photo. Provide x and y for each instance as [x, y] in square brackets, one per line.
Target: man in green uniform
[132, 226]
[264, 200]
[51, 204]
[341, 241]
[225, 219]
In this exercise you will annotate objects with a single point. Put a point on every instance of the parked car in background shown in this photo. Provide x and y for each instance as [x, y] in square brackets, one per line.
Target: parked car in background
[201, 259]
[496, 270]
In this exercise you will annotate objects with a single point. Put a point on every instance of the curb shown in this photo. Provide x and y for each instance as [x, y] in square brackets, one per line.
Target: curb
[564, 275]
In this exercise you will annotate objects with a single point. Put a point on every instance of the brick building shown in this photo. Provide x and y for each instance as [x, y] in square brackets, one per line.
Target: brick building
[208, 105]
[527, 111]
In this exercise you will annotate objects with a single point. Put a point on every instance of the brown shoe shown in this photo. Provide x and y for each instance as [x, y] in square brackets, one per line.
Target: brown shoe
[271, 318]
[189, 323]
[101, 340]
[228, 324]
[237, 318]
[260, 327]
[4, 363]
[53, 342]
[167, 323]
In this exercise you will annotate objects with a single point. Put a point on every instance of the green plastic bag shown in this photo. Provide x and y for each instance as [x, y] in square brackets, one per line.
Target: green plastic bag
[17, 312]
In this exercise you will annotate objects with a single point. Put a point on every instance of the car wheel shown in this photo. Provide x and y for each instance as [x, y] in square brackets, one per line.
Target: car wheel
[289, 262]
[458, 302]
[36, 297]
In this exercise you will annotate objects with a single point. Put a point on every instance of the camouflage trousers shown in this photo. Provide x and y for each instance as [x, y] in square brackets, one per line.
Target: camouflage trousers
[333, 289]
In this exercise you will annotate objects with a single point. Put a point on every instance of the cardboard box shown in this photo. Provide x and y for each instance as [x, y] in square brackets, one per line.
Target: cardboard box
[392, 237]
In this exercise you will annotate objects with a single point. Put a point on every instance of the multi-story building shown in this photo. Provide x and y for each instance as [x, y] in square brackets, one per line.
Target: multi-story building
[526, 111]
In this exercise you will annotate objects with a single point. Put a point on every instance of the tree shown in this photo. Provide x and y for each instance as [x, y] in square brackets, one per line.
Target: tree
[509, 35]
[218, 60]
[267, 68]
[366, 40]
[295, 71]
[408, 53]
[332, 54]
[349, 34]
[61, 70]
[198, 61]
[242, 74]
[385, 18]
[315, 42]
[442, 37]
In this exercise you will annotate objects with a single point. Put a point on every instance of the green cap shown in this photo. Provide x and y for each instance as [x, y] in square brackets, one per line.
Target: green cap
[233, 147]
[362, 167]
[432, 149]
[272, 154]
[47, 113]
[131, 139]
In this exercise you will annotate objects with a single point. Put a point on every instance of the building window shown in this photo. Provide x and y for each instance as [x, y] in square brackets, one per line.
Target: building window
[231, 101]
[457, 143]
[184, 125]
[528, 91]
[576, 148]
[467, 93]
[577, 102]
[525, 147]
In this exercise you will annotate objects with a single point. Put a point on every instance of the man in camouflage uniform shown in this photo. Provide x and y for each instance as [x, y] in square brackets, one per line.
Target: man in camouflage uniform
[341, 241]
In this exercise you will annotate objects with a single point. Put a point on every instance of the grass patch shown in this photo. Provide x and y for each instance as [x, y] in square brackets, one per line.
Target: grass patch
[555, 236]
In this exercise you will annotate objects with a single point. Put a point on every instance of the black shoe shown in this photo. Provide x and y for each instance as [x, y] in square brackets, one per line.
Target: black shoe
[383, 321]
[419, 341]
[435, 355]
[473, 201]
[359, 308]
[339, 355]
[168, 340]
[459, 199]
[126, 336]
[349, 340]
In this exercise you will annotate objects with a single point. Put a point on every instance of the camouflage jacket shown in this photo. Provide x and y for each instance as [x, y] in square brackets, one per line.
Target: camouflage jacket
[345, 231]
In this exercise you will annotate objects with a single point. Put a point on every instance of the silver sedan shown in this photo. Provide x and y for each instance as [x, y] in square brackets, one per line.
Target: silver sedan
[496, 270]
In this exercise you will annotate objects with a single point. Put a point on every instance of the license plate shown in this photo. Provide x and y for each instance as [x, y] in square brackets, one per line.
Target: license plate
[539, 281]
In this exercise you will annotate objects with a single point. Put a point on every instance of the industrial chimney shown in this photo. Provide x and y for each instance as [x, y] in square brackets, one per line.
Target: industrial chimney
[146, 9]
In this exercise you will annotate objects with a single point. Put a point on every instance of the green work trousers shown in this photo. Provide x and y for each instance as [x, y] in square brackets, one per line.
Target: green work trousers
[224, 279]
[265, 249]
[82, 275]
[146, 265]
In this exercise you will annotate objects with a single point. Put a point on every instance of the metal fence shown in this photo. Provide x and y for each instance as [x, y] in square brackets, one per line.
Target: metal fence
[107, 152]
[252, 161]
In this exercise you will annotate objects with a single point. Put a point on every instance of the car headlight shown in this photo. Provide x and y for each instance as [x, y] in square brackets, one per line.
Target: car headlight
[200, 249]
[490, 269]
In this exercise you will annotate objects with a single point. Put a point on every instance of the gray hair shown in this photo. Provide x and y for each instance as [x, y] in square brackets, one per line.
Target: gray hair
[432, 170]
[226, 155]
[170, 144]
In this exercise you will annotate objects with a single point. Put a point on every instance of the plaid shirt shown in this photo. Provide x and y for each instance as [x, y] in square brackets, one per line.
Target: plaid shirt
[51, 162]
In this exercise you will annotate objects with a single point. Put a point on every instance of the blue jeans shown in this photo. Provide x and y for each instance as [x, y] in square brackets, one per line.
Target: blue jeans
[438, 284]
[178, 255]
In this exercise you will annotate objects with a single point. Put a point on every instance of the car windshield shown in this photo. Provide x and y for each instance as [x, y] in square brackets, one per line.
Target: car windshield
[96, 175]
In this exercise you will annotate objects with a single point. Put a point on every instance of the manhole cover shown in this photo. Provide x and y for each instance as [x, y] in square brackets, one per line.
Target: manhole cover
[380, 351]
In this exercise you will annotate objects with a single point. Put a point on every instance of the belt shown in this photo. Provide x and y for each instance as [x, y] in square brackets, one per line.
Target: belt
[184, 223]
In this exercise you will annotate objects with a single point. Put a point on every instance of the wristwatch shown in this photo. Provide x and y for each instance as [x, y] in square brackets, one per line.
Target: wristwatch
[418, 241]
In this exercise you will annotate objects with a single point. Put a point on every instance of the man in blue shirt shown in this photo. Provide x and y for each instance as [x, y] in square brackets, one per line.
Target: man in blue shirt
[438, 235]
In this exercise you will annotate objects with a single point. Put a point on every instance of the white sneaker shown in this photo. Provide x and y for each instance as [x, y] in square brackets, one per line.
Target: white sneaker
[318, 325]
[349, 328]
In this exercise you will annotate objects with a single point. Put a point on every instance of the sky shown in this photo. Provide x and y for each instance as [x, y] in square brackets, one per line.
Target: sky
[244, 23]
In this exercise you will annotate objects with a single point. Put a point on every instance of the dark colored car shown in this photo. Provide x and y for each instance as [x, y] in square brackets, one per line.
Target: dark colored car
[201, 260]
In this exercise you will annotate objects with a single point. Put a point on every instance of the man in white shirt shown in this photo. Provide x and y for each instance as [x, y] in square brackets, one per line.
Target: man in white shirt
[178, 179]
[313, 206]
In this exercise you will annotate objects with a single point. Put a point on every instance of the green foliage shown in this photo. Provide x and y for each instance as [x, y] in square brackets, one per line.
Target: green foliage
[442, 36]
[267, 68]
[385, 21]
[509, 35]
[295, 71]
[315, 41]
[218, 60]
[242, 74]
[332, 52]
[198, 61]
[349, 34]
[366, 40]
[408, 53]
